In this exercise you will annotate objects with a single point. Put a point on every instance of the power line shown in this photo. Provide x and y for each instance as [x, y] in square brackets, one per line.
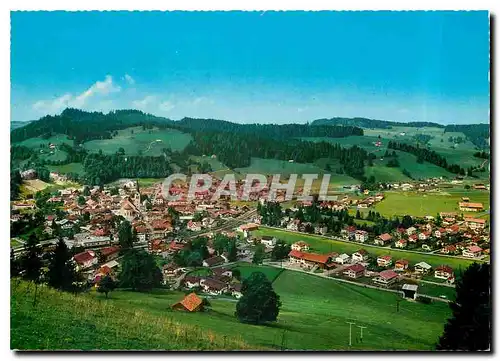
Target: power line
[350, 325]
[361, 327]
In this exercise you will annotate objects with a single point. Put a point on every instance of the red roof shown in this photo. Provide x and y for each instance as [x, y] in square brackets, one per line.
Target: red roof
[311, 257]
[474, 249]
[444, 268]
[388, 274]
[385, 237]
[387, 258]
[107, 251]
[356, 268]
[191, 302]
[84, 257]
[402, 261]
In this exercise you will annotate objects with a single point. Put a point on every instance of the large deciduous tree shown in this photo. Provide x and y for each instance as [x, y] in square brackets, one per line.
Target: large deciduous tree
[259, 303]
[139, 271]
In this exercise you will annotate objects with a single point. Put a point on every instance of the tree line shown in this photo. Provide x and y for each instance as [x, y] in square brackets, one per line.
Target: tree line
[424, 154]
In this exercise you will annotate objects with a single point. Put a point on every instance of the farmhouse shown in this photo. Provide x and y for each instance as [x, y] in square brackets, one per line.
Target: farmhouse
[268, 241]
[383, 239]
[401, 265]
[213, 261]
[355, 271]
[386, 278]
[450, 249]
[310, 259]
[444, 272]
[384, 261]
[472, 252]
[343, 258]
[475, 223]
[85, 259]
[190, 303]
[360, 256]
[402, 243]
[422, 267]
[191, 281]
[361, 236]
[300, 246]
[213, 286]
[470, 207]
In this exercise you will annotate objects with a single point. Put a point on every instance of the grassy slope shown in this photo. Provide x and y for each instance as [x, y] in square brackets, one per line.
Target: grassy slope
[141, 140]
[324, 245]
[313, 315]
[61, 321]
[418, 204]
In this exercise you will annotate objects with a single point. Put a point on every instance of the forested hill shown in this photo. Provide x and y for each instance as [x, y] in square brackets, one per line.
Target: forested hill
[477, 133]
[372, 123]
[274, 131]
[82, 126]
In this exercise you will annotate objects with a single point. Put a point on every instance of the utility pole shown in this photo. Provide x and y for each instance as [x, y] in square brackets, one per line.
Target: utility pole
[361, 327]
[350, 325]
[397, 304]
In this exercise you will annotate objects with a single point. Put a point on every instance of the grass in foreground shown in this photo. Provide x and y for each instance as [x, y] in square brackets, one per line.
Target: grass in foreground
[62, 321]
[313, 316]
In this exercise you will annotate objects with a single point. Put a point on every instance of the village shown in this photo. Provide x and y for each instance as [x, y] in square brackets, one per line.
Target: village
[88, 219]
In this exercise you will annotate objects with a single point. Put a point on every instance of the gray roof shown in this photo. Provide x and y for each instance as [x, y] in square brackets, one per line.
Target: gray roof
[409, 287]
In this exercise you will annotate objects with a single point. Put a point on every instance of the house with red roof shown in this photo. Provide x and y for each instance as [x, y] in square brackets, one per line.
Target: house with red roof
[444, 272]
[310, 259]
[386, 278]
[355, 271]
[401, 265]
[472, 252]
[85, 259]
[109, 253]
[401, 243]
[384, 261]
[383, 239]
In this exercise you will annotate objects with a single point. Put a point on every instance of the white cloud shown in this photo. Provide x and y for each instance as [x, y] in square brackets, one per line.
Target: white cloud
[145, 102]
[202, 100]
[99, 88]
[129, 79]
[166, 106]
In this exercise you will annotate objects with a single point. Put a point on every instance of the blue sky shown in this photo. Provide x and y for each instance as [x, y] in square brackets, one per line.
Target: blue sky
[252, 66]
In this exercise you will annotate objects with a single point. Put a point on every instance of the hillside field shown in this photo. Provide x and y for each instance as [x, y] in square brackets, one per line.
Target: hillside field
[431, 203]
[135, 141]
[62, 321]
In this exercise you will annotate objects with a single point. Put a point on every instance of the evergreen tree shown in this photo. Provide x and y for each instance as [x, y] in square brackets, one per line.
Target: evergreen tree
[31, 260]
[232, 250]
[125, 235]
[469, 328]
[62, 273]
[259, 303]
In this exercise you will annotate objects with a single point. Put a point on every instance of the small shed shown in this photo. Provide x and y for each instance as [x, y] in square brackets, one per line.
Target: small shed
[190, 303]
[410, 291]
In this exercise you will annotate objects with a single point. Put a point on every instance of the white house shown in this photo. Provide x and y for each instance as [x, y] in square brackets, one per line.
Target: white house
[343, 258]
